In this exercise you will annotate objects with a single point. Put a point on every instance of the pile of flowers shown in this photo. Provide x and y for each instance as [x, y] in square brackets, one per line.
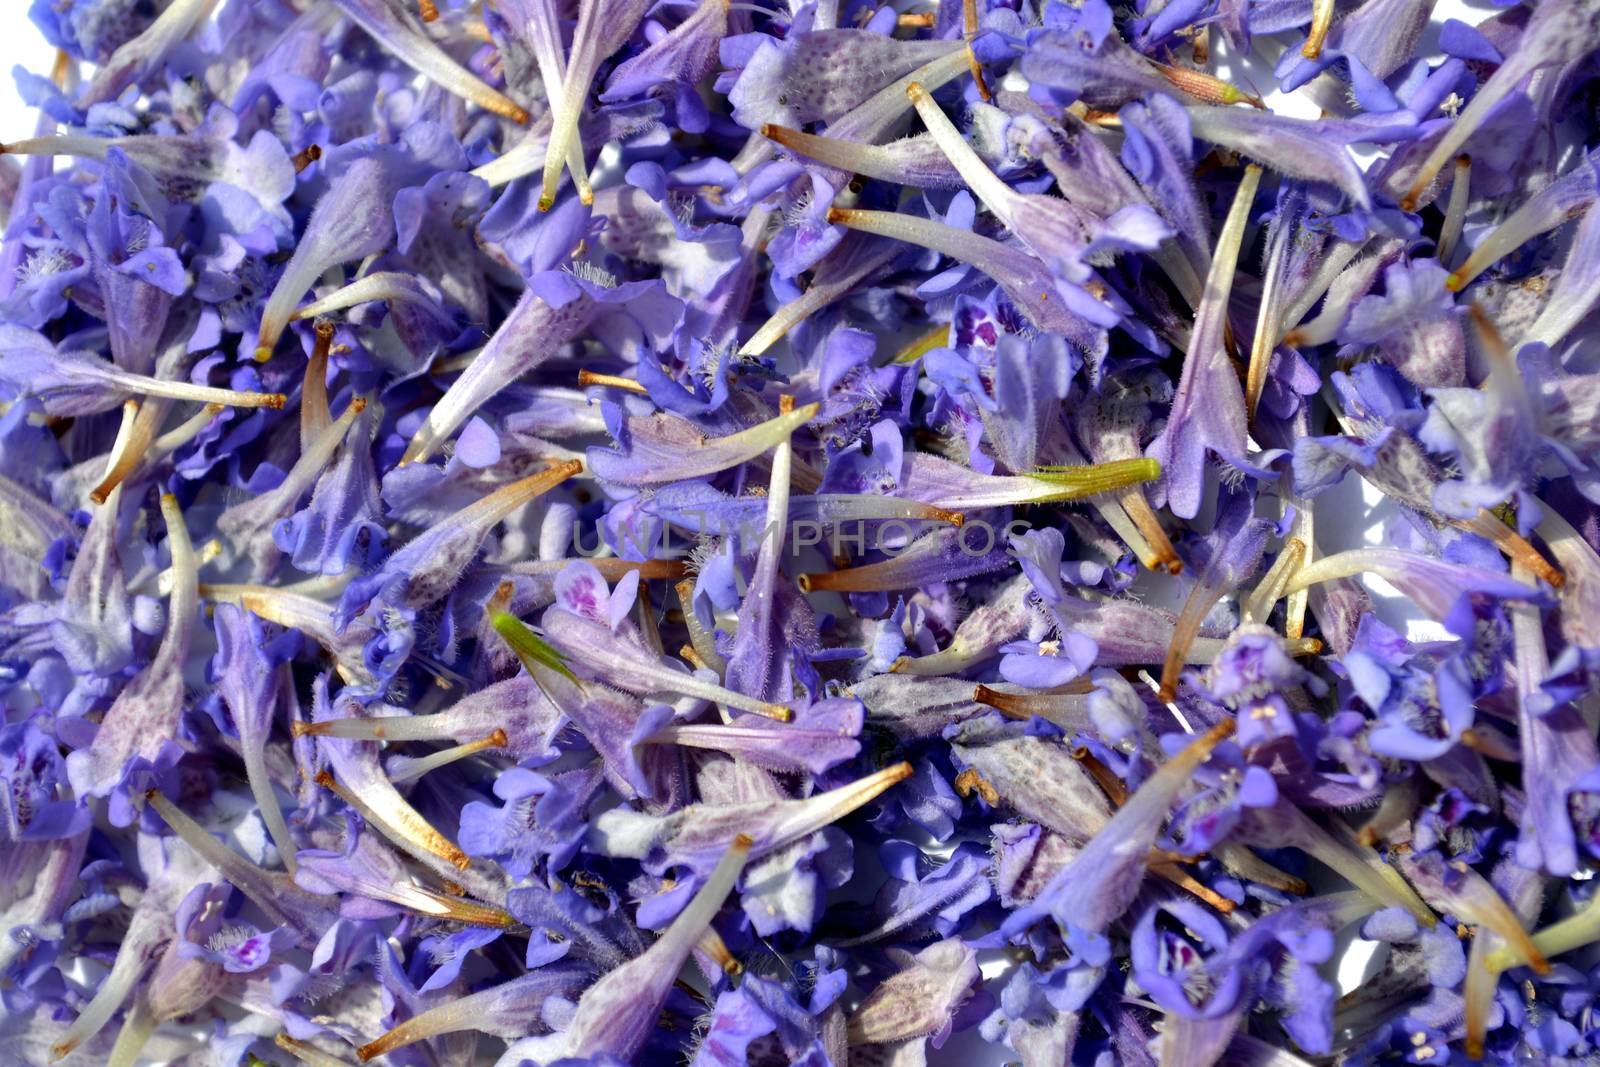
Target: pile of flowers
[654, 531]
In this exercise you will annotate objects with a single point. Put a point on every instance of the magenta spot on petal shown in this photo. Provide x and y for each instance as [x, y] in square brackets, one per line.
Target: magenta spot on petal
[582, 599]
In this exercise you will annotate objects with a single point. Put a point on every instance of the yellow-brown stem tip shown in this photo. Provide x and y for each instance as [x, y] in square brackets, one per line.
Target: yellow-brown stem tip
[781, 135]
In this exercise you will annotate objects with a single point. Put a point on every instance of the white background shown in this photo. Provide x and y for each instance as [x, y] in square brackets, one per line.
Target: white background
[20, 43]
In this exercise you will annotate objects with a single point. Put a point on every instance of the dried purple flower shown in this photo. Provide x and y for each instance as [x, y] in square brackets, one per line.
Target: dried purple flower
[986, 384]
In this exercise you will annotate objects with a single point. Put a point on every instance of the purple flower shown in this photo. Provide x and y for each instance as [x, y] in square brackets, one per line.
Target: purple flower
[237, 948]
[1099, 884]
[1047, 664]
[139, 730]
[1208, 408]
[615, 1015]
[1207, 818]
[934, 899]
[1413, 324]
[542, 819]
[1248, 678]
[1173, 968]
[897, 511]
